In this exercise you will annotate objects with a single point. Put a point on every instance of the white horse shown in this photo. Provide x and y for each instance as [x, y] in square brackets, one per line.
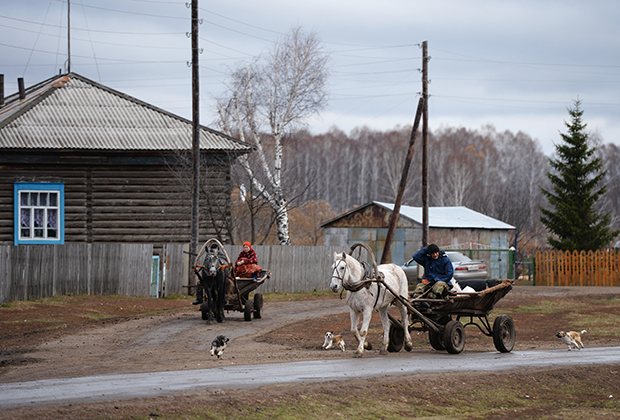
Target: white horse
[347, 273]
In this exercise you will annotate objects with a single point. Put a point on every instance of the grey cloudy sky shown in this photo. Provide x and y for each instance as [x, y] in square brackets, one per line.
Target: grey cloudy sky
[515, 65]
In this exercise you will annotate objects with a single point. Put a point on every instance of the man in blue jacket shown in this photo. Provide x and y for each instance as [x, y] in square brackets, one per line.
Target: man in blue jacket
[438, 272]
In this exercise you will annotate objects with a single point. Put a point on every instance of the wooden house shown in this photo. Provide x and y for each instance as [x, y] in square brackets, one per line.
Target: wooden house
[80, 162]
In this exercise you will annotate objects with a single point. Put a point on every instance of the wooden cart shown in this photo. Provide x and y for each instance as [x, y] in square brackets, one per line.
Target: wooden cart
[237, 297]
[442, 317]
[446, 319]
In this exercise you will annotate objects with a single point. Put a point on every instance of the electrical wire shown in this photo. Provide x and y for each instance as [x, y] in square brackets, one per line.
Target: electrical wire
[37, 39]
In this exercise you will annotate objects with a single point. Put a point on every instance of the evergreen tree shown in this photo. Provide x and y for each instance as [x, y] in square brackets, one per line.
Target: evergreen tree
[574, 222]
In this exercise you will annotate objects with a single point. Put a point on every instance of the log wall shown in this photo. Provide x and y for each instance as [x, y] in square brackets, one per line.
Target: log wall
[146, 202]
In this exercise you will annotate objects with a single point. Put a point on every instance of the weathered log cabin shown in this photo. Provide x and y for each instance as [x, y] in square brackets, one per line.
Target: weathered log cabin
[80, 162]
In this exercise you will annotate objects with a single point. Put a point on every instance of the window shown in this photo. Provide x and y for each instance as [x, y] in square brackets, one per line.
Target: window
[39, 213]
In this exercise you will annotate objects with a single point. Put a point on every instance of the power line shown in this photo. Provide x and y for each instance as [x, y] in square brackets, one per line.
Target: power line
[91, 30]
[134, 13]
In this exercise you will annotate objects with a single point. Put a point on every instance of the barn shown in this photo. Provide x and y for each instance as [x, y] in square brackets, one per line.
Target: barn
[457, 228]
[80, 162]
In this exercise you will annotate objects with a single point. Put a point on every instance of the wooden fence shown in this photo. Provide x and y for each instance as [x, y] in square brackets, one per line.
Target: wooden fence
[37, 271]
[559, 268]
[293, 268]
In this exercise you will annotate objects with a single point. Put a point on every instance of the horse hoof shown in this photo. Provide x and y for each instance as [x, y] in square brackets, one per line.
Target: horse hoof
[367, 346]
[408, 346]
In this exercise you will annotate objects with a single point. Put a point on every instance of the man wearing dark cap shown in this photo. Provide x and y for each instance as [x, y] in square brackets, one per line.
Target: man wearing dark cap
[438, 272]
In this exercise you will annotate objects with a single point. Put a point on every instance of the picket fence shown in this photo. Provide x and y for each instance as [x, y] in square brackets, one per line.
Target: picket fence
[38, 271]
[566, 268]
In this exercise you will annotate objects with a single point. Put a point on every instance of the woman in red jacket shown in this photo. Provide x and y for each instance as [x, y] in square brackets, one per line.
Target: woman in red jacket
[246, 265]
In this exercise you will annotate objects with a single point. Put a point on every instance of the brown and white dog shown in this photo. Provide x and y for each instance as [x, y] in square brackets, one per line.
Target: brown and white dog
[571, 338]
[332, 340]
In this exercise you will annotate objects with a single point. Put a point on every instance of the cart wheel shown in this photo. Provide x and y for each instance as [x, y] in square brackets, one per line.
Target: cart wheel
[436, 340]
[248, 310]
[454, 337]
[205, 311]
[258, 305]
[504, 333]
[397, 338]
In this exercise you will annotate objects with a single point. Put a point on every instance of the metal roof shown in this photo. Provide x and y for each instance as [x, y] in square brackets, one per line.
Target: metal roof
[449, 217]
[439, 217]
[72, 112]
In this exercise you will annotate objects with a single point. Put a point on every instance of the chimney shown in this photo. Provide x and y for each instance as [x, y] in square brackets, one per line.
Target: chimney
[22, 91]
[1, 90]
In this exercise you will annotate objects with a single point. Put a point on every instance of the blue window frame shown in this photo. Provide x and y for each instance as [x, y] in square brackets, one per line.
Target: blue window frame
[39, 213]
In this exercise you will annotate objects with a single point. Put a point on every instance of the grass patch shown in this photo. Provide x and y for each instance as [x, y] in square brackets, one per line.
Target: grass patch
[605, 325]
[550, 307]
[95, 315]
[18, 304]
[178, 296]
[285, 297]
[555, 394]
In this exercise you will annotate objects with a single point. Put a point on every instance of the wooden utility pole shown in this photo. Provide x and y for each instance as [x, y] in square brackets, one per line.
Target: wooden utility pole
[68, 36]
[387, 249]
[425, 144]
[195, 133]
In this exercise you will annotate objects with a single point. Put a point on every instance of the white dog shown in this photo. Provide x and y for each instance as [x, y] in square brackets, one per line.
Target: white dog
[331, 340]
[218, 345]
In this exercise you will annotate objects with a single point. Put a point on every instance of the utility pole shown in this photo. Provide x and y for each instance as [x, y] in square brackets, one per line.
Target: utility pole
[68, 36]
[387, 248]
[425, 144]
[195, 133]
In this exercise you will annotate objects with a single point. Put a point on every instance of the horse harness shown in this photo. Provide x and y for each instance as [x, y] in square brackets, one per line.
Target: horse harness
[368, 278]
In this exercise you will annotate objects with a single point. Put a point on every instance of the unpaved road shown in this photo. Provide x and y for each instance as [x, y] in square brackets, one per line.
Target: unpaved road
[177, 341]
[144, 385]
[172, 350]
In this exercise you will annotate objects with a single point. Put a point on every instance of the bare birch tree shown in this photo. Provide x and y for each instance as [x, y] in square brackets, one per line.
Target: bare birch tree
[275, 94]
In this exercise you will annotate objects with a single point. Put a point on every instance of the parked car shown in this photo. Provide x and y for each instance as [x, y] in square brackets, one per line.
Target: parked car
[464, 268]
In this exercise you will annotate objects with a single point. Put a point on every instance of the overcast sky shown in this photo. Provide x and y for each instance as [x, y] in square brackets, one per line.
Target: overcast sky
[515, 65]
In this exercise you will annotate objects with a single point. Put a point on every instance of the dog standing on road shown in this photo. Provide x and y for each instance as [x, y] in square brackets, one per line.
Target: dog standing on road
[218, 345]
[332, 340]
[571, 338]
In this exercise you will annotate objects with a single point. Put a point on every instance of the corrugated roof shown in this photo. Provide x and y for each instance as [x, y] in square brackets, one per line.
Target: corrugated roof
[439, 217]
[72, 112]
[449, 217]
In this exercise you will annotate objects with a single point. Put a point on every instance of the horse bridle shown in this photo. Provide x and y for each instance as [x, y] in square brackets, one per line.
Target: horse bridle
[335, 270]
[365, 282]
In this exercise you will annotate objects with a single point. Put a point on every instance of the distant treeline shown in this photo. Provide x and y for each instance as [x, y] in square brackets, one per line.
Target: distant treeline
[495, 173]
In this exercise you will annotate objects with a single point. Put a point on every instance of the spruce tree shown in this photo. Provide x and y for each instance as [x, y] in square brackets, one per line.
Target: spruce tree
[574, 222]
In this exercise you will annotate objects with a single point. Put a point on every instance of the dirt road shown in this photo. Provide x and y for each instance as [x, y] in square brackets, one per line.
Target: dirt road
[289, 331]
